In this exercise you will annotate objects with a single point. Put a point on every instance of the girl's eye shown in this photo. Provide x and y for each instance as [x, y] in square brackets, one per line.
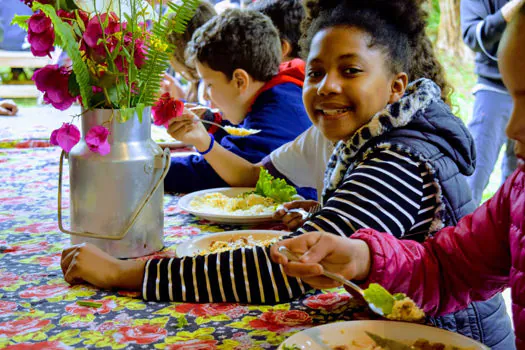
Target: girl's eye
[351, 71]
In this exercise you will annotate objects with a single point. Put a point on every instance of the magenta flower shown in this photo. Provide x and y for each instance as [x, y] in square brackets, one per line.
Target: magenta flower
[93, 33]
[165, 109]
[53, 81]
[67, 136]
[97, 140]
[40, 34]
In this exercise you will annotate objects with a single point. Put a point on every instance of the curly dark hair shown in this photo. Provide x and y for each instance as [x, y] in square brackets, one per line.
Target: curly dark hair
[286, 15]
[237, 39]
[204, 12]
[395, 26]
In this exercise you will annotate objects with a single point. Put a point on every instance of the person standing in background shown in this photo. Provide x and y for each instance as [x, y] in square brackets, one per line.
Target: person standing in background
[482, 24]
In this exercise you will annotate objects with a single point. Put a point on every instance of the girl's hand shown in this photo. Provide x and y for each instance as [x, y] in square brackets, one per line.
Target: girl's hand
[86, 263]
[188, 129]
[347, 257]
[294, 220]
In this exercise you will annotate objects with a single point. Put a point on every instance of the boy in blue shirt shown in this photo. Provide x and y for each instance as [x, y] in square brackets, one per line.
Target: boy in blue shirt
[237, 56]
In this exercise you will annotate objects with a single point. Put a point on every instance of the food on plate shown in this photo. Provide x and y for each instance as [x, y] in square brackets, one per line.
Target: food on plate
[231, 244]
[269, 193]
[420, 344]
[397, 307]
[243, 204]
[240, 131]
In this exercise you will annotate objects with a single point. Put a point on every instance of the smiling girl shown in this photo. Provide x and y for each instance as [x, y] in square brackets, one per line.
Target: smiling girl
[481, 256]
[398, 166]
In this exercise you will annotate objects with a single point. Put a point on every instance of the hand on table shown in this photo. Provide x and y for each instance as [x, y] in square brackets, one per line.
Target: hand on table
[86, 263]
[187, 129]
[344, 256]
[8, 107]
[294, 220]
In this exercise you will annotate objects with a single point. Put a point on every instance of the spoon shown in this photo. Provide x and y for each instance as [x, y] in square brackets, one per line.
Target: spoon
[360, 292]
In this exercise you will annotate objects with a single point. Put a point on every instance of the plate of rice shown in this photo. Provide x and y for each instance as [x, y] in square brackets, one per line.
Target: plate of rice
[231, 205]
[228, 240]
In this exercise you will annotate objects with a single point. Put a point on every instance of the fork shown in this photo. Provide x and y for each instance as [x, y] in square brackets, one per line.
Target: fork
[306, 215]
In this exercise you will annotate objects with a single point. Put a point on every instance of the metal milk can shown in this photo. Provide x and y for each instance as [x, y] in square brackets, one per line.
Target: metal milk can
[116, 200]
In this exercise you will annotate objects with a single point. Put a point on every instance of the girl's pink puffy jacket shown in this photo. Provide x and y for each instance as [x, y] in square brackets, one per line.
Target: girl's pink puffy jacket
[481, 256]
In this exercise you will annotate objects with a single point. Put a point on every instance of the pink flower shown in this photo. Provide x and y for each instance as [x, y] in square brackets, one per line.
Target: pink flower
[53, 81]
[70, 17]
[139, 53]
[67, 136]
[97, 140]
[39, 23]
[93, 33]
[165, 109]
[22, 326]
[195, 344]
[40, 34]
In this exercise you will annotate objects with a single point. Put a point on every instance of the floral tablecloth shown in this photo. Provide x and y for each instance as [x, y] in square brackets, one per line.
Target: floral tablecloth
[39, 310]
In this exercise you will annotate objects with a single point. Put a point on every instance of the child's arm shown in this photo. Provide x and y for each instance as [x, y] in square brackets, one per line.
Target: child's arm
[231, 168]
[461, 264]
[481, 30]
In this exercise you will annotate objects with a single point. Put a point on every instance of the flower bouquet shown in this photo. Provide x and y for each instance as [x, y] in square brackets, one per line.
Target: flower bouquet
[118, 53]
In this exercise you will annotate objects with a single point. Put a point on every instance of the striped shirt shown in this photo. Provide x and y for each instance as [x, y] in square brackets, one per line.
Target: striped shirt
[388, 191]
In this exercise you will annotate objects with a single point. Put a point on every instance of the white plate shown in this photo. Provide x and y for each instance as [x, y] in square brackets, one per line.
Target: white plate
[341, 333]
[184, 204]
[194, 246]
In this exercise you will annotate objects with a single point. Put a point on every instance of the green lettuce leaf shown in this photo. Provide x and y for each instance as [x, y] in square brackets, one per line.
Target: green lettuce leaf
[380, 297]
[277, 189]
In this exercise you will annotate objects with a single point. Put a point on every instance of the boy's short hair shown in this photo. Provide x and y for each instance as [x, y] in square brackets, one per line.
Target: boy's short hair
[286, 15]
[204, 12]
[237, 39]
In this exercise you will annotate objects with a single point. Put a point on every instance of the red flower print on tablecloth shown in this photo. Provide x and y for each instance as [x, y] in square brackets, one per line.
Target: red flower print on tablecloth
[46, 345]
[174, 209]
[22, 326]
[44, 292]
[145, 334]
[38, 227]
[282, 321]
[328, 301]
[6, 217]
[16, 200]
[50, 260]
[107, 306]
[7, 279]
[178, 231]
[194, 345]
[210, 310]
[27, 248]
[7, 307]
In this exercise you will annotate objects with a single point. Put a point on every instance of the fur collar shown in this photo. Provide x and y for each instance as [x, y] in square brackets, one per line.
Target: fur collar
[418, 96]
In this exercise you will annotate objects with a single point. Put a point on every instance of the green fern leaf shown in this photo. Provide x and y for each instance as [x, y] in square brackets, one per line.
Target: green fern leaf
[69, 44]
[20, 21]
[150, 76]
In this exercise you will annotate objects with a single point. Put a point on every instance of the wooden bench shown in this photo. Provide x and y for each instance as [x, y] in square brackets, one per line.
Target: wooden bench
[20, 59]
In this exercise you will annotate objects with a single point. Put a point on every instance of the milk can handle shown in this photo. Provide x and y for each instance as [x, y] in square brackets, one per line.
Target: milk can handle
[143, 202]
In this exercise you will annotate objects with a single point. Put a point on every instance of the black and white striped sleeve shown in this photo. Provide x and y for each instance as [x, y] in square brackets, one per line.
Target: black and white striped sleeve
[384, 193]
[242, 276]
